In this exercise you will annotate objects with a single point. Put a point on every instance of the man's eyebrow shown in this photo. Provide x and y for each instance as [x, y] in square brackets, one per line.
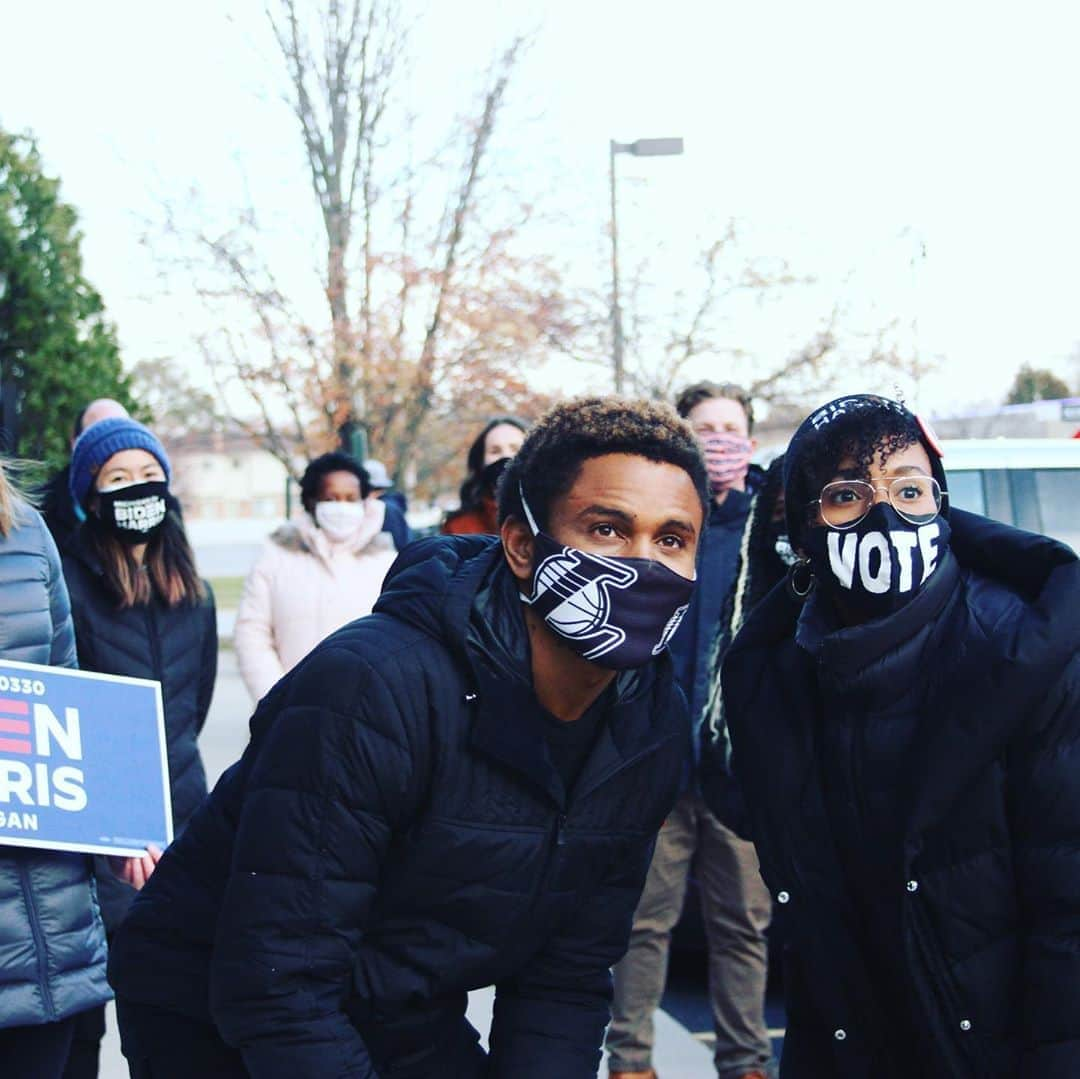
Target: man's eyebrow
[676, 524]
[596, 510]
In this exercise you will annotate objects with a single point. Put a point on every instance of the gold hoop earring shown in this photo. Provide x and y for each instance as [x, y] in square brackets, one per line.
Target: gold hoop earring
[799, 587]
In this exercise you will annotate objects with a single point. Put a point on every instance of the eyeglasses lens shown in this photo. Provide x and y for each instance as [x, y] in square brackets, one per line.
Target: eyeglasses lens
[846, 502]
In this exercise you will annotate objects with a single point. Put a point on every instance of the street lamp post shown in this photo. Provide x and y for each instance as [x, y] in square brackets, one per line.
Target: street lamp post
[640, 148]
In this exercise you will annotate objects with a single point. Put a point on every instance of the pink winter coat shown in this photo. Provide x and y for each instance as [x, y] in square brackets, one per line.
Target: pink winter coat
[302, 589]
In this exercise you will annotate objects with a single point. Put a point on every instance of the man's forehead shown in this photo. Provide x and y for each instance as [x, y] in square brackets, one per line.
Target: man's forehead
[635, 486]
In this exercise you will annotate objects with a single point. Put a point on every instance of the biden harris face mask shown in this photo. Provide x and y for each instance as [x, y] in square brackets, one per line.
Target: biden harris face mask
[134, 512]
[615, 612]
[880, 564]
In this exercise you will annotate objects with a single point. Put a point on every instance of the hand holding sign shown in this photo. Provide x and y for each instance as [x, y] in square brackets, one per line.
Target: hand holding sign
[136, 871]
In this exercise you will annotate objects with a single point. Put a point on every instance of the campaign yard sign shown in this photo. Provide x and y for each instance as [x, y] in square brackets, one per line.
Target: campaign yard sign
[82, 761]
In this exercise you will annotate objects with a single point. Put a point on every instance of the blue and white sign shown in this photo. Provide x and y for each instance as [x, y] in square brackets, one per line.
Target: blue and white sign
[82, 761]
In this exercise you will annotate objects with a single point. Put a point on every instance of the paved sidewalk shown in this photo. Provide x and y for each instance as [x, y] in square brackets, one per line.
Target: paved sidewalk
[678, 1055]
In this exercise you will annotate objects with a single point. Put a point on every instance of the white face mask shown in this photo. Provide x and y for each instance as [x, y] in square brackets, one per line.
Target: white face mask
[339, 520]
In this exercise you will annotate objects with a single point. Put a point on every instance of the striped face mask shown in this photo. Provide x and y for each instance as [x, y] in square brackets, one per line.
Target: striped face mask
[727, 458]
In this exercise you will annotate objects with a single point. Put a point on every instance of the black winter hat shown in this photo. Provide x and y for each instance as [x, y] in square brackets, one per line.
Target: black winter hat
[829, 425]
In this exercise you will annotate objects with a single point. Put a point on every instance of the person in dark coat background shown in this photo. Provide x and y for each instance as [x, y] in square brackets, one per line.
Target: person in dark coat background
[382, 487]
[61, 514]
[139, 609]
[460, 790]
[478, 513]
[765, 556]
[908, 744]
[735, 906]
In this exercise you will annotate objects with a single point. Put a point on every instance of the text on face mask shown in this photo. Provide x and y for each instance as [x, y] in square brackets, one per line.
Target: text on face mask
[871, 557]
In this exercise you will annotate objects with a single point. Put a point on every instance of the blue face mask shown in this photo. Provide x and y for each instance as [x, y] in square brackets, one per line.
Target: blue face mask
[615, 612]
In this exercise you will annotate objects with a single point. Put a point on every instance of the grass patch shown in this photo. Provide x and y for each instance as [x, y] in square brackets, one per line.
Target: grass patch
[227, 591]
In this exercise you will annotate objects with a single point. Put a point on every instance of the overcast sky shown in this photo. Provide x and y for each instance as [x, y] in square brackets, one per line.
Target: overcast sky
[921, 160]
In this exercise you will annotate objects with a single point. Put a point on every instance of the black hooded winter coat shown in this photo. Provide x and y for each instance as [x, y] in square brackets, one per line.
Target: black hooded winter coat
[983, 975]
[396, 835]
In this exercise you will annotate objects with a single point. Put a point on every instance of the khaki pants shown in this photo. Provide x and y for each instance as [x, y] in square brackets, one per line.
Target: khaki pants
[736, 908]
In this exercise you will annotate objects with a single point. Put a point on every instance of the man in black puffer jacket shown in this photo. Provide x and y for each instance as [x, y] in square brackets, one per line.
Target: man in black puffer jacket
[908, 744]
[461, 790]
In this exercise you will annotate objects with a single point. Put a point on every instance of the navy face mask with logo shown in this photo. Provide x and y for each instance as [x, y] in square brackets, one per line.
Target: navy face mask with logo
[880, 564]
[615, 612]
[136, 512]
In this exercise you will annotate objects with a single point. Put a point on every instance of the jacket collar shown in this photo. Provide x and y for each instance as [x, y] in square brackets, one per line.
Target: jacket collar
[498, 652]
[506, 728]
[734, 508]
[850, 656]
[304, 535]
[459, 590]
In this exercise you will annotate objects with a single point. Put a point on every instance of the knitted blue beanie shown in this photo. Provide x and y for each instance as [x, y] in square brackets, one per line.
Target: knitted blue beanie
[99, 442]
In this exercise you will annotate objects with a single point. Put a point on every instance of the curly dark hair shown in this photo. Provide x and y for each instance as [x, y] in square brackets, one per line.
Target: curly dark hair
[323, 466]
[694, 394]
[571, 433]
[865, 435]
[471, 495]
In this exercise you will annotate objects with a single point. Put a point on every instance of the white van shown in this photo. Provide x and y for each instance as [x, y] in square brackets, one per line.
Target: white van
[1033, 483]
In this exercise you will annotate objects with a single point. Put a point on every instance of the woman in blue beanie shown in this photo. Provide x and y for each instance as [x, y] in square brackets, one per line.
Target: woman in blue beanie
[140, 610]
[905, 724]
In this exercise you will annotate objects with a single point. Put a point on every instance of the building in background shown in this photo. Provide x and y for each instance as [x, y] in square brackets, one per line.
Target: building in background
[225, 475]
[1040, 419]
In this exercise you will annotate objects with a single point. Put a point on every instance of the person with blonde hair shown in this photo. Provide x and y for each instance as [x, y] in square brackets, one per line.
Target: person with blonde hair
[52, 942]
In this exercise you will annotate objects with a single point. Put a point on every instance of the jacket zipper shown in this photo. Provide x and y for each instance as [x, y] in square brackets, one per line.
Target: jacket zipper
[39, 942]
[155, 642]
[858, 756]
[558, 828]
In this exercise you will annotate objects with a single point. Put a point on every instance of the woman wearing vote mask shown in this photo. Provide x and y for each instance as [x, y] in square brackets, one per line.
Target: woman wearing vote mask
[315, 575]
[905, 723]
[139, 609]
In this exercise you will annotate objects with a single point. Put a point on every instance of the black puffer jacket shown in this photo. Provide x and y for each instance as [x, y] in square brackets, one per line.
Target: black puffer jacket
[176, 646]
[395, 835]
[985, 851]
[58, 509]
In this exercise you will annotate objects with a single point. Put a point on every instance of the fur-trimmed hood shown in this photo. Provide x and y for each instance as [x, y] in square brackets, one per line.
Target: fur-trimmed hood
[305, 535]
[304, 587]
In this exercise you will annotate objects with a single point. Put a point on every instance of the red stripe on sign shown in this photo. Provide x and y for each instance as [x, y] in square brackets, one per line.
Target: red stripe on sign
[14, 708]
[14, 745]
[15, 726]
